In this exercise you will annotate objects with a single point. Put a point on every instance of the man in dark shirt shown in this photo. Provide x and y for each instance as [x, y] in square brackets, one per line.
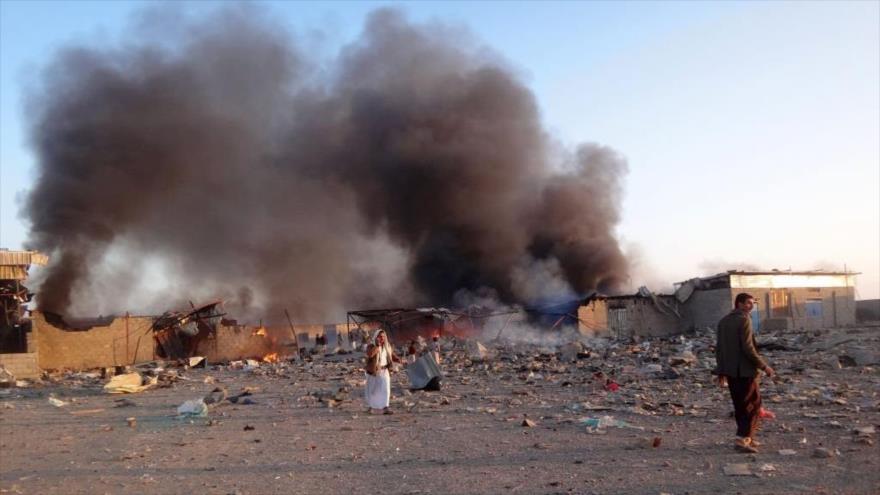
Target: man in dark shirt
[737, 366]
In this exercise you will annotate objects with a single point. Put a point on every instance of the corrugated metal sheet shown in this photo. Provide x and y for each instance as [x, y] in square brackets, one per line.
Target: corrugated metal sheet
[785, 280]
[13, 273]
[23, 258]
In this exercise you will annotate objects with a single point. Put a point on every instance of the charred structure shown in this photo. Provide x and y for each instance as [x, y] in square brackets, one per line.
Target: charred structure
[14, 297]
[179, 333]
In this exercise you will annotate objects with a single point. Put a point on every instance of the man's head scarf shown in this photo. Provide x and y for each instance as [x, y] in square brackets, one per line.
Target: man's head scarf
[375, 337]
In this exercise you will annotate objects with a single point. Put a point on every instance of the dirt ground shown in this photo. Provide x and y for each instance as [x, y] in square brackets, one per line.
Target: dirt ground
[304, 429]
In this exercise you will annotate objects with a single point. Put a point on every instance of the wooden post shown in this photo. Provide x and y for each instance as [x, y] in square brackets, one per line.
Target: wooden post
[292, 331]
[498, 336]
[127, 351]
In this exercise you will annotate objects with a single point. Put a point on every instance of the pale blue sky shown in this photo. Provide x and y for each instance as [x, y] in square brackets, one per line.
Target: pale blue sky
[752, 129]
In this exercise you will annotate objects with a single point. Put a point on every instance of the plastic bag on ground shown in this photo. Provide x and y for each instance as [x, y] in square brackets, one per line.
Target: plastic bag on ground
[193, 408]
[606, 421]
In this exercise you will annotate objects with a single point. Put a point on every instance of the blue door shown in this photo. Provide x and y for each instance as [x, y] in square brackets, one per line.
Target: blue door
[756, 318]
[814, 308]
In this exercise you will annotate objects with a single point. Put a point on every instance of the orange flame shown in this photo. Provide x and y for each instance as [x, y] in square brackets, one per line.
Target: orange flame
[260, 331]
[272, 357]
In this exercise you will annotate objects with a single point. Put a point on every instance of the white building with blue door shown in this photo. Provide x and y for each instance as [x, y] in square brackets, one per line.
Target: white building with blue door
[784, 299]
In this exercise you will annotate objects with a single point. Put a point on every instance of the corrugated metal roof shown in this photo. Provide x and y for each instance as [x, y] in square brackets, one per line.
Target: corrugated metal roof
[789, 272]
[13, 272]
[22, 258]
[809, 273]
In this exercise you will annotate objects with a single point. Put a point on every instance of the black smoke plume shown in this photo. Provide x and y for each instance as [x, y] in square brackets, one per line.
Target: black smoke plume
[221, 159]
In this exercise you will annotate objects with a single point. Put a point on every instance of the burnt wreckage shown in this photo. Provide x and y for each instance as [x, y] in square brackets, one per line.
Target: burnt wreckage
[179, 333]
[14, 296]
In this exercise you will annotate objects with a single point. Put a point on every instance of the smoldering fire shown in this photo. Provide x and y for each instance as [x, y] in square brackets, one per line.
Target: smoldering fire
[407, 168]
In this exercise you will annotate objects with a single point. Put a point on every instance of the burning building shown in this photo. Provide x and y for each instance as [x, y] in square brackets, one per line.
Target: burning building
[410, 167]
[403, 325]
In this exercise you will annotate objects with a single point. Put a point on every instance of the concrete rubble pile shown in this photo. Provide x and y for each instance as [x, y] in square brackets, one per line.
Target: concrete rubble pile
[593, 401]
[588, 383]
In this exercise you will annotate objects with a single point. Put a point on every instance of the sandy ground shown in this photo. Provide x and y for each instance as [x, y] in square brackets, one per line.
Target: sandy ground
[467, 438]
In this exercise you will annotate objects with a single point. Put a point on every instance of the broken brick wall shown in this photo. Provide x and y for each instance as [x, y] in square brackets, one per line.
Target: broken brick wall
[23, 365]
[307, 333]
[237, 342]
[593, 319]
[126, 340]
[242, 342]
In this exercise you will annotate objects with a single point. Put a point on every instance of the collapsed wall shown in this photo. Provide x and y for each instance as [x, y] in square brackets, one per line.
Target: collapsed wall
[128, 340]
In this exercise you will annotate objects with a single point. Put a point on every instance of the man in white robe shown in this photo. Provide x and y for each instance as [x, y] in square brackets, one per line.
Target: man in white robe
[380, 357]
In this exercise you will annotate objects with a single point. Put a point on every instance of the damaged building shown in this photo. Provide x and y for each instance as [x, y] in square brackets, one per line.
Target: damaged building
[54, 342]
[784, 300]
[46, 341]
[16, 348]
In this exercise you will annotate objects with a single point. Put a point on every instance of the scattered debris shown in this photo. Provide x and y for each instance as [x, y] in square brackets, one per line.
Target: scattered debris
[823, 453]
[569, 352]
[685, 358]
[85, 412]
[216, 396]
[607, 421]
[198, 361]
[124, 403]
[7, 379]
[130, 383]
[738, 469]
[477, 351]
[424, 373]
[864, 431]
[241, 397]
[642, 395]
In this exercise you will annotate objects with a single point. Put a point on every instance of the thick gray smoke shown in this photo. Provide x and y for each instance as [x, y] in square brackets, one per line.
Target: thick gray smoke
[221, 160]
